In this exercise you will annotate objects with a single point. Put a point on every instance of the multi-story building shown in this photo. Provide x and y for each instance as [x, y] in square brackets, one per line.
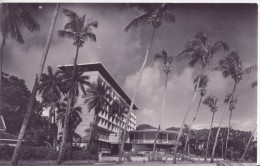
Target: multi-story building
[109, 129]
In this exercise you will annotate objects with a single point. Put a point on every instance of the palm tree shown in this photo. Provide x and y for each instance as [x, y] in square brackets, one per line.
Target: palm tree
[51, 94]
[14, 160]
[202, 87]
[211, 102]
[73, 81]
[167, 61]
[97, 97]
[74, 117]
[79, 30]
[249, 141]
[231, 66]
[118, 109]
[154, 15]
[233, 101]
[201, 51]
[13, 17]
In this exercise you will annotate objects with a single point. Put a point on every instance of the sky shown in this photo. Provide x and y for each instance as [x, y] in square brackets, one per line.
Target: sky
[122, 53]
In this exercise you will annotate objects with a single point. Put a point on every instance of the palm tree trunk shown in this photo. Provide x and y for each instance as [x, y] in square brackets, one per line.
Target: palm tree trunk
[226, 147]
[207, 146]
[90, 141]
[1, 70]
[249, 141]
[223, 115]
[134, 95]
[164, 97]
[34, 90]
[76, 57]
[63, 147]
[188, 135]
[185, 117]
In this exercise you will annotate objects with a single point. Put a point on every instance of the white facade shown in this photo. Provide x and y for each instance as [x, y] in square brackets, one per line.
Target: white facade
[109, 129]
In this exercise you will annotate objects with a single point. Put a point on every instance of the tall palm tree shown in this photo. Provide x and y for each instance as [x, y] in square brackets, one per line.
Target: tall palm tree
[249, 141]
[73, 81]
[154, 15]
[74, 117]
[79, 30]
[201, 51]
[233, 101]
[211, 102]
[231, 66]
[14, 160]
[97, 97]
[13, 17]
[51, 93]
[167, 61]
[202, 87]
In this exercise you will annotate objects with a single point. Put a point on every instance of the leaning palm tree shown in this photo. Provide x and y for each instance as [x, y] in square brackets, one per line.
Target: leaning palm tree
[79, 30]
[73, 81]
[97, 97]
[13, 17]
[154, 15]
[167, 61]
[211, 102]
[231, 66]
[14, 160]
[201, 51]
[249, 141]
[233, 101]
[202, 87]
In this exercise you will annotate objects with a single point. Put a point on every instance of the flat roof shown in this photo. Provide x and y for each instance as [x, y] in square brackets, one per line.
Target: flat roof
[98, 66]
[154, 130]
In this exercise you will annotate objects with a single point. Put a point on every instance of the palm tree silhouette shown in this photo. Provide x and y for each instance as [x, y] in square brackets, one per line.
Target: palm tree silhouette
[231, 66]
[154, 15]
[202, 87]
[74, 117]
[73, 81]
[167, 61]
[25, 14]
[211, 102]
[51, 93]
[97, 97]
[79, 30]
[201, 51]
[231, 108]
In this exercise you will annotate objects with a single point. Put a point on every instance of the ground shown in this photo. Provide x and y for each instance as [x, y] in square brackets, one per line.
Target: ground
[52, 163]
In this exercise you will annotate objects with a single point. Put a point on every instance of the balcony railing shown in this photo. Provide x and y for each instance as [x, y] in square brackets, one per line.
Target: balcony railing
[161, 141]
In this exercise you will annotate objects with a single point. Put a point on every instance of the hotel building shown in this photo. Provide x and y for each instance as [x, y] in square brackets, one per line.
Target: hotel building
[109, 129]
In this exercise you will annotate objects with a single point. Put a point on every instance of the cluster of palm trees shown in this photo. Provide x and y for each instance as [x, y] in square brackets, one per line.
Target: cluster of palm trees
[60, 89]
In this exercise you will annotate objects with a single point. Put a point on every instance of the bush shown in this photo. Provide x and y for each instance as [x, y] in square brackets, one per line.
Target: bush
[44, 153]
[6, 152]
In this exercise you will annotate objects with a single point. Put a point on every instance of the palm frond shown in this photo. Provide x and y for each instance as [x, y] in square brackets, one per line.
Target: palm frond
[168, 16]
[250, 69]
[141, 20]
[66, 34]
[218, 45]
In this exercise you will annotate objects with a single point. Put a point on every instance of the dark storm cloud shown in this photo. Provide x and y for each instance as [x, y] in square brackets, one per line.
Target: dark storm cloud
[122, 54]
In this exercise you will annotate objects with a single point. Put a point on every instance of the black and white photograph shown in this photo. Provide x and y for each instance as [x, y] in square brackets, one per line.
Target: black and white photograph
[128, 83]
